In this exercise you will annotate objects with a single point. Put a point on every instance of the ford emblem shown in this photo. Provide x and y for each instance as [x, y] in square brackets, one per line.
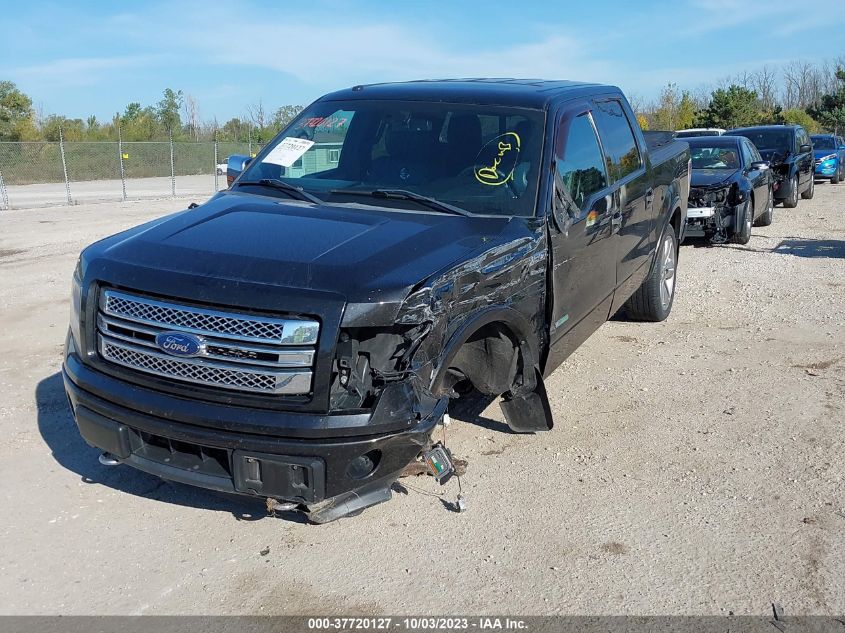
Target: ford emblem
[180, 344]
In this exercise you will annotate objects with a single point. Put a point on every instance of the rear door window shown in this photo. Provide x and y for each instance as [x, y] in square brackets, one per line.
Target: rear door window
[620, 148]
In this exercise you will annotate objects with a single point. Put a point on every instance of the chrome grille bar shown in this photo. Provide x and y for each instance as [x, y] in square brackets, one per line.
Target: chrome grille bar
[217, 349]
[229, 325]
[205, 372]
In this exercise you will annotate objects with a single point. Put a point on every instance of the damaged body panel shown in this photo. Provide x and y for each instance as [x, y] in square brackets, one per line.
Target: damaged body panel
[299, 336]
[732, 188]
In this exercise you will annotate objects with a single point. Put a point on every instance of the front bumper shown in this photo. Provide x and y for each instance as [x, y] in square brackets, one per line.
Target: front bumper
[707, 221]
[328, 477]
[827, 169]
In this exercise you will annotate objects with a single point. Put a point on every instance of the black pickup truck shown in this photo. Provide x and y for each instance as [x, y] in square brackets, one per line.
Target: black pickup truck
[298, 336]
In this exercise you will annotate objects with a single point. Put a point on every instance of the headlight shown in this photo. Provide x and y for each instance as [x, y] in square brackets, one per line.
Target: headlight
[76, 303]
[718, 196]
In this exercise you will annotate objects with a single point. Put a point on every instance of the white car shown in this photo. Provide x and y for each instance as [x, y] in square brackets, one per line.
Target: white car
[222, 167]
[699, 131]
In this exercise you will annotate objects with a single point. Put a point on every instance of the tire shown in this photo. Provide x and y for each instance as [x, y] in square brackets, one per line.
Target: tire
[768, 215]
[792, 201]
[834, 180]
[743, 235]
[654, 298]
[809, 191]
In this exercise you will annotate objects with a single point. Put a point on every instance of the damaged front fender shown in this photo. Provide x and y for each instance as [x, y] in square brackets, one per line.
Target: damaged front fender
[487, 327]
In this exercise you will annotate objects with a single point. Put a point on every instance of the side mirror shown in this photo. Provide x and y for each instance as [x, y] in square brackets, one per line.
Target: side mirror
[759, 164]
[841, 147]
[805, 148]
[236, 164]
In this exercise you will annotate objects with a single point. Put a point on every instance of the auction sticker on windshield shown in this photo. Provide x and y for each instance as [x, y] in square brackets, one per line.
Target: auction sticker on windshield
[288, 151]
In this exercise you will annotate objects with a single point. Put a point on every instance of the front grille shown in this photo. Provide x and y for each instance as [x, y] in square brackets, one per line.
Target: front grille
[238, 352]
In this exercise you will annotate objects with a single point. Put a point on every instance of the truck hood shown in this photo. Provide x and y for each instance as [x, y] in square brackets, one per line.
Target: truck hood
[361, 253]
[711, 177]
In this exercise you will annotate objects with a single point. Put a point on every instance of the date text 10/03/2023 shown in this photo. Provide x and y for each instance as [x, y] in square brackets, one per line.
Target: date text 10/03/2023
[416, 623]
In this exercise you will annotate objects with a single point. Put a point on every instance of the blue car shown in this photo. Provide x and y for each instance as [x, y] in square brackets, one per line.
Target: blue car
[829, 152]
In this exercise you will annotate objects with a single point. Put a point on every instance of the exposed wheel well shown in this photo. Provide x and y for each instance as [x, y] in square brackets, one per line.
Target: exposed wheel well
[675, 221]
[490, 359]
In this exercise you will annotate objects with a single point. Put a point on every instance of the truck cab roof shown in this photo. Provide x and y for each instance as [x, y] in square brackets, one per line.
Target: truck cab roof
[528, 93]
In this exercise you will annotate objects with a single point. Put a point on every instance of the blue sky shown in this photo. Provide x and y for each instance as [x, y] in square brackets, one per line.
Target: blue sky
[94, 57]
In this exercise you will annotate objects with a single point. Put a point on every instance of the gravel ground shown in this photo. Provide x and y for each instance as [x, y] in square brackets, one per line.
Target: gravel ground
[695, 468]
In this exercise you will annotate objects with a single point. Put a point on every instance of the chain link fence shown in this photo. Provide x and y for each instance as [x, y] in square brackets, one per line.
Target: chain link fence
[37, 174]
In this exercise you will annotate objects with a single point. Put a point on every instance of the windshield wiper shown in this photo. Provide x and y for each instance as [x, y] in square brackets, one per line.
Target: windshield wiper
[295, 192]
[404, 194]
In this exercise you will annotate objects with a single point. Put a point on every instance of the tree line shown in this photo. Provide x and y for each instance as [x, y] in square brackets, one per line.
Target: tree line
[176, 114]
[809, 94]
[803, 93]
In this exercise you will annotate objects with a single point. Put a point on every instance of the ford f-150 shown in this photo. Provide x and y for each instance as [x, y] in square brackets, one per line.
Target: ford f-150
[298, 337]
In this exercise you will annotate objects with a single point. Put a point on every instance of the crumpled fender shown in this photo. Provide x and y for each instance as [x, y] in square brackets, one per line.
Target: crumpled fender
[504, 285]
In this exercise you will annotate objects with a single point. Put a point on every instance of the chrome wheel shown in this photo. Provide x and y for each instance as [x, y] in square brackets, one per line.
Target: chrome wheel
[667, 271]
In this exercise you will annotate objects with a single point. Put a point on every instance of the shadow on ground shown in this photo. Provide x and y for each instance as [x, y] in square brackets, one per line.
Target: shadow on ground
[59, 431]
[796, 246]
[834, 249]
[469, 408]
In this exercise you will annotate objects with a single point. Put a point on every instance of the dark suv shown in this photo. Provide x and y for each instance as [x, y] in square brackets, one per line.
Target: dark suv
[790, 152]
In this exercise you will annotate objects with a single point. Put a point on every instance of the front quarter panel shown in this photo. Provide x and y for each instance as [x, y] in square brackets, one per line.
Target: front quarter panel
[508, 279]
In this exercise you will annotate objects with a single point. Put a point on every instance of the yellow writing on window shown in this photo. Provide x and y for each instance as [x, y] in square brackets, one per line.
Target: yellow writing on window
[497, 159]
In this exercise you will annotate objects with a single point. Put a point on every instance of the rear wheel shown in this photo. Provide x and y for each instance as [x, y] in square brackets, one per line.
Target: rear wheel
[809, 191]
[653, 300]
[767, 216]
[792, 201]
[834, 180]
[742, 234]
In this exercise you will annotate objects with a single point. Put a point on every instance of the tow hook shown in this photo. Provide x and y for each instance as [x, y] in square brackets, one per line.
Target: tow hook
[107, 459]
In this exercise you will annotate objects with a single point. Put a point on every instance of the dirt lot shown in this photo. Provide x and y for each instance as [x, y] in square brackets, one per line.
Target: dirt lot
[696, 466]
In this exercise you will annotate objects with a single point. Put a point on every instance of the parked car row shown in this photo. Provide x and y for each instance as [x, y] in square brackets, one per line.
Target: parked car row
[739, 175]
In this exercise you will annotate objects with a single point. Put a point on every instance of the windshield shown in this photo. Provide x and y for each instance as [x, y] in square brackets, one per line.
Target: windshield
[714, 158]
[483, 159]
[823, 142]
[769, 139]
